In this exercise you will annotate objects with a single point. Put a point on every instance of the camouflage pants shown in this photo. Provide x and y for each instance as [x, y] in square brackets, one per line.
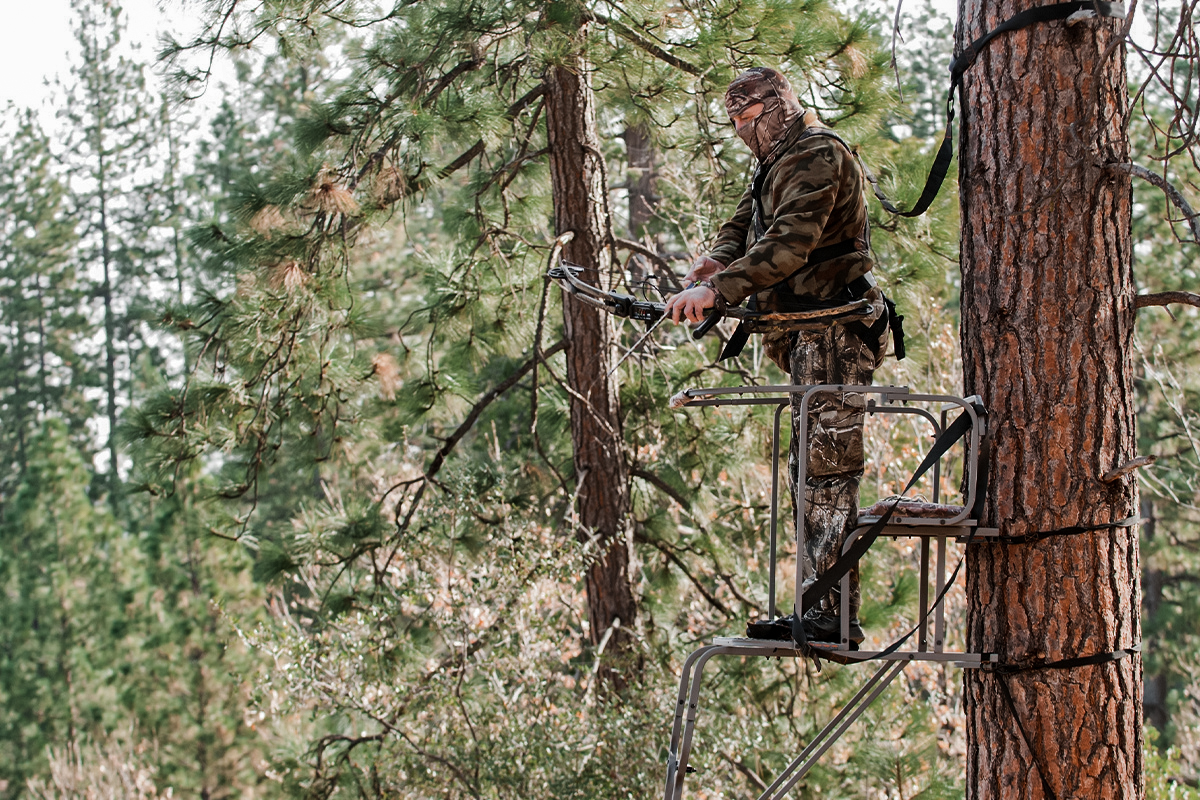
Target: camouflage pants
[840, 354]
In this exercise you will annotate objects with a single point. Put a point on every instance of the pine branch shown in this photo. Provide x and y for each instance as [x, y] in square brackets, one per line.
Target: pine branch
[640, 249]
[636, 39]
[460, 162]
[664, 487]
[439, 458]
[481, 405]
[412, 183]
[1166, 298]
[461, 67]
[674, 558]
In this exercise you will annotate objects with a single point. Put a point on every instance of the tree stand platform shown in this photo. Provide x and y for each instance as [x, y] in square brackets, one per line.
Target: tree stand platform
[932, 523]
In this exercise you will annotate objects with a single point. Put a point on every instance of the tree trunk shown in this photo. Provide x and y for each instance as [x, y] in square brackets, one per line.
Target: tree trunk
[577, 177]
[642, 200]
[110, 333]
[1047, 327]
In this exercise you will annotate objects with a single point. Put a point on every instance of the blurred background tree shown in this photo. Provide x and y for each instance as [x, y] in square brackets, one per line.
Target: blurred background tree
[356, 558]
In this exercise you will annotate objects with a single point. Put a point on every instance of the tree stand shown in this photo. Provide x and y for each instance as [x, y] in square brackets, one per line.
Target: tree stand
[931, 523]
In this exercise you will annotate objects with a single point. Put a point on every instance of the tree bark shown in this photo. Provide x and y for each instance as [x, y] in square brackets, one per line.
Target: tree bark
[1047, 327]
[602, 475]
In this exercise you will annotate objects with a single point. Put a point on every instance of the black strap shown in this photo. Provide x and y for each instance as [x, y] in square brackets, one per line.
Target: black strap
[960, 64]
[737, 342]
[1065, 663]
[896, 323]
[937, 173]
[1037, 536]
[821, 586]
[1024, 19]
[1047, 789]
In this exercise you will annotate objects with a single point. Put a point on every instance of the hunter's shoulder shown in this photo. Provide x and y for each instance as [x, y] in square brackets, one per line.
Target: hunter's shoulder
[814, 151]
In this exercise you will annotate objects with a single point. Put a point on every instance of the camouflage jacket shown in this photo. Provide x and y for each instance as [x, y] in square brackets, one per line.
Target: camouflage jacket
[812, 196]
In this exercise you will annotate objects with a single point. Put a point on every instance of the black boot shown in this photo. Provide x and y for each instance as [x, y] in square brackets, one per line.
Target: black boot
[774, 630]
[825, 631]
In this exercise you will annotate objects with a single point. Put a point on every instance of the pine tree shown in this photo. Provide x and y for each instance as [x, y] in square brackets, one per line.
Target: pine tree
[62, 606]
[1048, 320]
[413, 481]
[43, 327]
[110, 152]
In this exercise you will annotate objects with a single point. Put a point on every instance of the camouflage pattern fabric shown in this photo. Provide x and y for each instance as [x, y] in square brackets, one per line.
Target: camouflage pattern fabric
[812, 196]
[840, 354]
[780, 108]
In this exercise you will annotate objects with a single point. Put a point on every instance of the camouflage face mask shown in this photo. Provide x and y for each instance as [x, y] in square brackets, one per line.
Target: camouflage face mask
[780, 108]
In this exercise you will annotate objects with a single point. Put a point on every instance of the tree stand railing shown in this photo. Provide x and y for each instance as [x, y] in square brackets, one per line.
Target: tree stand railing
[932, 523]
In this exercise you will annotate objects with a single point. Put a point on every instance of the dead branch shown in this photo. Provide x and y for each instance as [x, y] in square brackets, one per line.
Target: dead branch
[1167, 298]
[1173, 195]
[1128, 467]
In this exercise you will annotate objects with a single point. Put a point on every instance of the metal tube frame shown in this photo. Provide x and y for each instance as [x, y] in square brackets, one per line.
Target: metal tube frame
[960, 526]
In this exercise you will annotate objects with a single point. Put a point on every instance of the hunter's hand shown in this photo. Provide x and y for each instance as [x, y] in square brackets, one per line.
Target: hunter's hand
[702, 269]
[690, 304]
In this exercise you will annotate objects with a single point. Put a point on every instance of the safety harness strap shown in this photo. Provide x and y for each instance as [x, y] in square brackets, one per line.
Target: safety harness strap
[1082, 9]
[1065, 663]
[821, 586]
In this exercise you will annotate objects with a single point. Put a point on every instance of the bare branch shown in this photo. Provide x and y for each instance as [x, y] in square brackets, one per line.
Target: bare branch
[1174, 195]
[483, 402]
[1166, 298]
[750, 774]
[1128, 467]
[664, 487]
[674, 558]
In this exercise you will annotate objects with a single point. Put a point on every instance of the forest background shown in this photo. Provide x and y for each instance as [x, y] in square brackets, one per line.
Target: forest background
[287, 497]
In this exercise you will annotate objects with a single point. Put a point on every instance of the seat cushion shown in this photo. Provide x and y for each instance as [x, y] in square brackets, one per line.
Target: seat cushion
[913, 508]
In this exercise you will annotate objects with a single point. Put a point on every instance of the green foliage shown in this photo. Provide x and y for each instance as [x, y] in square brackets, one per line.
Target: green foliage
[61, 570]
[1165, 259]
[349, 565]
[1164, 772]
[399, 456]
[43, 326]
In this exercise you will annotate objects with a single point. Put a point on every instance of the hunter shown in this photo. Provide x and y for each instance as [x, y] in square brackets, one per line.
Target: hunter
[799, 239]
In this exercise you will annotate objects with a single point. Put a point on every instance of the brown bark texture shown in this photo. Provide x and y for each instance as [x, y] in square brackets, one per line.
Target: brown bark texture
[1047, 326]
[577, 178]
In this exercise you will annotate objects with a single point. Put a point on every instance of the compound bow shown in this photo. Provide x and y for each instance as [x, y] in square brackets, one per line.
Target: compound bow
[566, 275]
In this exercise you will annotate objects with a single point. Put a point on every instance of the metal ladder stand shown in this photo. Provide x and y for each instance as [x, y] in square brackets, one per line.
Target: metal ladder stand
[953, 521]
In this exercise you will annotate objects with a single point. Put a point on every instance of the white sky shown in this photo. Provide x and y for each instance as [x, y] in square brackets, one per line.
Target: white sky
[40, 40]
